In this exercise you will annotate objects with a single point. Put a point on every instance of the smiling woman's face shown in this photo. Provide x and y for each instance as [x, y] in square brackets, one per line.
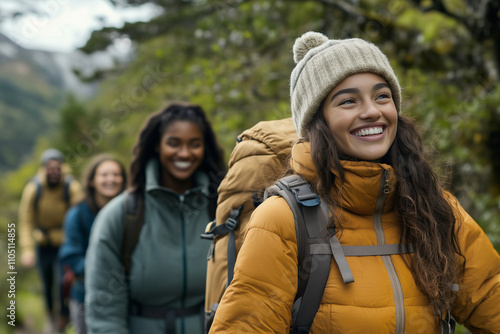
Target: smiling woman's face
[181, 151]
[362, 116]
[108, 179]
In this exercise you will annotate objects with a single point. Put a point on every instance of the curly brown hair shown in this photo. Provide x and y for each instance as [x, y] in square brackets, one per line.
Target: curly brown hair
[428, 220]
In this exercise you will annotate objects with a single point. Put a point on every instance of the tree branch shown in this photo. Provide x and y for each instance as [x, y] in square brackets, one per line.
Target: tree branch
[346, 8]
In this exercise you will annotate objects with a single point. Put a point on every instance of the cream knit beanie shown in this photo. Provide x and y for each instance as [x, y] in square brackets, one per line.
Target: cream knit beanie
[322, 64]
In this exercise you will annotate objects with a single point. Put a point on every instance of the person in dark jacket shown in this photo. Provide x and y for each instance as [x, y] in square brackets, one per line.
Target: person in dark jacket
[104, 179]
[176, 168]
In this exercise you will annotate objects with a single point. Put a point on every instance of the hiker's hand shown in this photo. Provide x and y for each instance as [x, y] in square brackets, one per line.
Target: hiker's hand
[28, 260]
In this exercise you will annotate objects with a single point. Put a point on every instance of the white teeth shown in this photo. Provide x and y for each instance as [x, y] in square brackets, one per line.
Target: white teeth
[182, 164]
[370, 131]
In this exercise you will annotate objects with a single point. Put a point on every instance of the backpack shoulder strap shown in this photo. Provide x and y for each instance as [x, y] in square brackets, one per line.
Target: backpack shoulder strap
[228, 227]
[38, 192]
[132, 230]
[212, 205]
[82, 220]
[66, 192]
[310, 222]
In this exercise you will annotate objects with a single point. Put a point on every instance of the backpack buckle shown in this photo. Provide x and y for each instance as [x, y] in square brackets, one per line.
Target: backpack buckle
[309, 199]
[209, 231]
[302, 190]
[207, 236]
[231, 223]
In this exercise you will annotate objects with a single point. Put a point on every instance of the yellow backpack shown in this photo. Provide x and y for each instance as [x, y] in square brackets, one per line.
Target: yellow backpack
[259, 158]
[256, 171]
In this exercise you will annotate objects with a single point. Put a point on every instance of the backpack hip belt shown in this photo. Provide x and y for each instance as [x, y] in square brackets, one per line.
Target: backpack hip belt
[162, 312]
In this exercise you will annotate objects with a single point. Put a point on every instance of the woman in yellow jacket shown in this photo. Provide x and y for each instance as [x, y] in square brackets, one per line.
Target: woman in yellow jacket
[365, 160]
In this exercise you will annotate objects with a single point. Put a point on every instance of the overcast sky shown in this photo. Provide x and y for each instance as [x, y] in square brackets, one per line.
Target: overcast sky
[66, 24]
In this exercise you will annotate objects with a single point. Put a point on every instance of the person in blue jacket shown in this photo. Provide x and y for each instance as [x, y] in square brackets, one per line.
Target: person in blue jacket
[104, 179]
[175, 170]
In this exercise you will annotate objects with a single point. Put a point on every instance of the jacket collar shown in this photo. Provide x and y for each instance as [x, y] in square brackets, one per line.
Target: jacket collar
[201, 180]
[361, 186]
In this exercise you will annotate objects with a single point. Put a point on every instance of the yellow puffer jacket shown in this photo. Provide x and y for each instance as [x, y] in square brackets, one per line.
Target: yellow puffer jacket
[383, 298]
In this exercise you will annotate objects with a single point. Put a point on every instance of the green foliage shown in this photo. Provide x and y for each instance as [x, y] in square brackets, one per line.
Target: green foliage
[14, 181]
[461, 330]
[239, 77]
[431, 25]
[234, 58]
[76, 137]
[462, 125]
[72, 118]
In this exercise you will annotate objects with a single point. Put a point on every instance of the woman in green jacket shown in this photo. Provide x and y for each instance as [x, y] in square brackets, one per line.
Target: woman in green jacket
[175, 171]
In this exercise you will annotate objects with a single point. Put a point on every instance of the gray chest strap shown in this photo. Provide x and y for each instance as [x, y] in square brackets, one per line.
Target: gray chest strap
[340, 253]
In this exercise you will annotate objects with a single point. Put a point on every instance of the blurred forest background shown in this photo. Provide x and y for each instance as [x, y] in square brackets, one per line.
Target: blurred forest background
[234, 58]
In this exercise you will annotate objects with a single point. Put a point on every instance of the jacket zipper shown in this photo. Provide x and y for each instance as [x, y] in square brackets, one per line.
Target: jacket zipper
[384, 190]
[184, 257]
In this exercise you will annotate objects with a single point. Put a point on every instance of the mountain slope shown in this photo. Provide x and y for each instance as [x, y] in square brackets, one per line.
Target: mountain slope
[33, 85]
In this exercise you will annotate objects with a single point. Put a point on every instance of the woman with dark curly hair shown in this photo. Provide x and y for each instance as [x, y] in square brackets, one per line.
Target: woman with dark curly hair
[176, 168]
[406, 256]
